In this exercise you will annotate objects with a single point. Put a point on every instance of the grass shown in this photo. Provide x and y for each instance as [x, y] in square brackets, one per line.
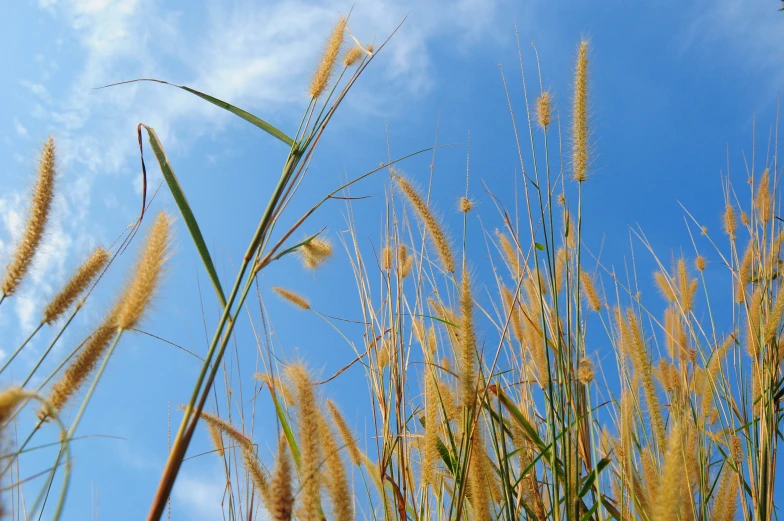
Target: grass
[484, 398]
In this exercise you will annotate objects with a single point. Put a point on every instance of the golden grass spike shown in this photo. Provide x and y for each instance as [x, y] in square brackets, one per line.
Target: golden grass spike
[699, 263]
[280, 389]
[477, 480]
[762, 202]
[352, 56]
[292, 297]
[754, 323]
[386, 258]
[509, 251]
[279, 499]
[40, 208]
[774, 319]
[590, 292]
[561, 259]
[315, 252]
[78, 371]
[585, 372]
[309, 443]
[544, 110]
[75, 287]
[9, 399]
[245, 444]
[255, 471]
[580, 152]
[431, 223]
[345, 433]
[404, 260]
[465, 204]
[642, 365]
[663, 282]
[432, 405]
[336, 481]
[324, 70]
[140, 290]
[730, 224]
[745, 272]
[515, 317]
[217, 439]
[467, 343]
[668, 497]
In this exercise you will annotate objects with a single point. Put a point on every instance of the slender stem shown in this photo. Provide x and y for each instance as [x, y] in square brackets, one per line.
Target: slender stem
[19, 349]
[49, 349]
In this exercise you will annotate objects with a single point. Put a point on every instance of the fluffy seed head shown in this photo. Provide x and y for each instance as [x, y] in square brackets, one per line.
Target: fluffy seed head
[76, 286]
[309, 443]
[345, 433]
[315, 252]
[404, 260]
[730, 224]
[279, 499]
[292, 297]
[585, 372]
[40, 208]
[140, 290]
[431, 223]
[580, 155]
[467, 342]
[386, 258]
[544, 110]
[699, 263]
[465, 204]
[9, 399]
[324, 71]
[762, 202]
[352, 56]
[336, 481]
[590, 291]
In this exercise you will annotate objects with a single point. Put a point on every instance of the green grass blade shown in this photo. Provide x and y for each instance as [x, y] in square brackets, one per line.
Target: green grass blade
[284, 423]
[244, 114]
[185, 210]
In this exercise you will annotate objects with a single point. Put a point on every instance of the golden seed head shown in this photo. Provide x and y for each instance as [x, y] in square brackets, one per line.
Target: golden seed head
[561, 199]
[345, 433]
[585, 372]
[467, 342]
[292, 297]
[369, 49]
[40, 208]
[465, 204]
[590, 292]
[730, 225]
[140, 290]
[9, 399]
[543, 110]
[763, 201]
[309, 442]
[315, 252]
[324, 71]
[580, 154]
[431, 223]
[279, 499]
[352, 56]
[404, 260]
[386, 258]
[699, 263]
[744, 218]
[76, 286]
[336, 481]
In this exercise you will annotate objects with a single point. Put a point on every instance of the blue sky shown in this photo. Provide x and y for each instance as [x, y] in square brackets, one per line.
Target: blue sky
[675, 88]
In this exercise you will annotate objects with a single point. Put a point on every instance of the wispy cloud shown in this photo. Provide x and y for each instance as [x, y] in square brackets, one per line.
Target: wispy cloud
[20, 130]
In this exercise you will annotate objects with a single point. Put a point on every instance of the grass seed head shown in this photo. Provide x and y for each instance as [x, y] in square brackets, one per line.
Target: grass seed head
[353, 56]
[292, 298]
[76, 286]
[544, 110]
[324, 70]
[40, 208]
[580, 149]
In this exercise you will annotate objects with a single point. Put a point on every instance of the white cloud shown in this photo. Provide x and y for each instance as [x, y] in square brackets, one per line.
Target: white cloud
[37, 89]
[200, 495]
[21, 131]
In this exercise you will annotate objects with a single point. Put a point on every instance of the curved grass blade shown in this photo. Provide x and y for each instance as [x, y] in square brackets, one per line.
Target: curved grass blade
[244, 114]
[185, 210]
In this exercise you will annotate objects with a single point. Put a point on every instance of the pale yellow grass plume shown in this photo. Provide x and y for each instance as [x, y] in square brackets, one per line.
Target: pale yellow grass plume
[279, 499]
[730, 224]
[217, 439]
[509, 251]
[774, 319]
[227, 429]
[315, 252]
[253, 467]
[580, 152]
[404, 260]
[386, 258]
[324, 71]
[309, 444]
[40, 208]
[726, 502]
[148, 274]
[432, 405]
[335, 479]
[477, 479]
[78, 371]
[561, 259]
[676, 340]
[745, 272]
[570, 232]
[666, 289]
[744, 218]
[432, 225]
[75, 287]
[352, 56]
[345, 433]
[467, 342]
[292, 298]
[687, 287]
[754, 323]
[763, 201]
[465, 204]
[591, 294]
[642, 365]
[585, 372]
[544, 110]
[671, 485]
[699, 263]
[9, 399]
